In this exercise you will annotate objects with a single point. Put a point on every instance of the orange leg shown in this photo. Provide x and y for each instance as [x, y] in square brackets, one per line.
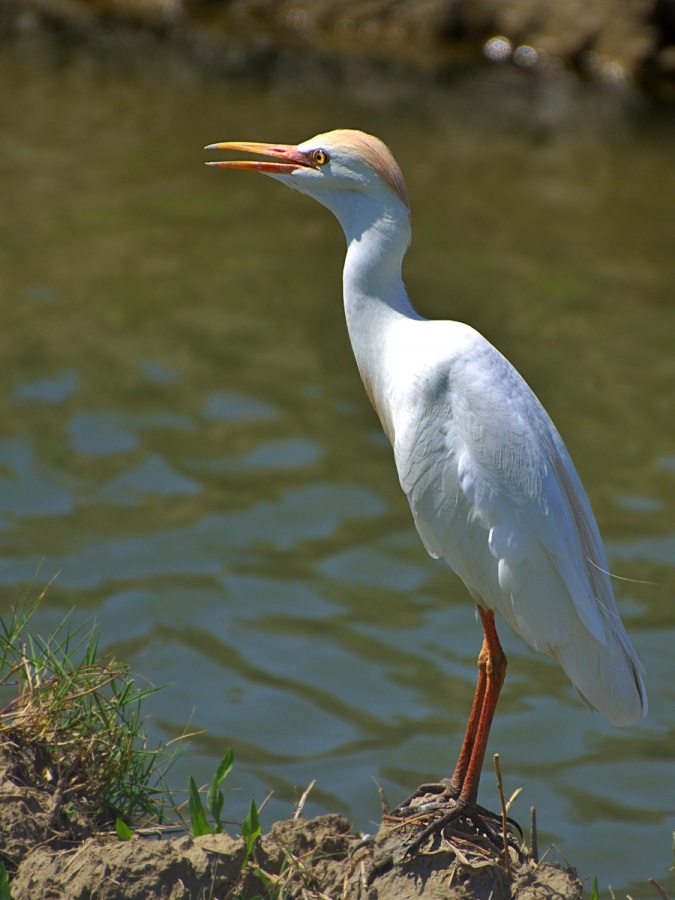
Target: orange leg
[456, 797]
[462, 789]
[491, 673]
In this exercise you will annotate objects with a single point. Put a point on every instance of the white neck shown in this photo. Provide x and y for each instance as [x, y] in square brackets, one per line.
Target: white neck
[375, 297]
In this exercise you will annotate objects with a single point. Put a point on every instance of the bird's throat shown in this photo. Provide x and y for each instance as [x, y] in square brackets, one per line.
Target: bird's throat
[375, 301]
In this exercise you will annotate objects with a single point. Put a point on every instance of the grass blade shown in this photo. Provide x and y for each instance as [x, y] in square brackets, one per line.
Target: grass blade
[124, 833]
[250, 829]
[5, 893]
[214, 797]
[197, 815]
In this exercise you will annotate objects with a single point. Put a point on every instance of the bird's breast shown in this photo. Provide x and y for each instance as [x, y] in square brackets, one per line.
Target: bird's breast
[383, 409]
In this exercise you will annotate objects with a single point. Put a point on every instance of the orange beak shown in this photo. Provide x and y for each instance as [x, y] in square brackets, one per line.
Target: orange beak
[286, 158]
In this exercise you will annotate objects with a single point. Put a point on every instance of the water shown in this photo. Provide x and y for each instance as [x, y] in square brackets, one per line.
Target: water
[187, 447]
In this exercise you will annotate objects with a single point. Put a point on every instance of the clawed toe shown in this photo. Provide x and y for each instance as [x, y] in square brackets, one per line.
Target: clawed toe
[466, 821]
[426, 799]
[435, 807]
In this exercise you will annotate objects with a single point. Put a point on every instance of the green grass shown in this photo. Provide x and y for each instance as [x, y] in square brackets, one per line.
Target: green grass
[5, 892]
[71, 722]
[215, 799]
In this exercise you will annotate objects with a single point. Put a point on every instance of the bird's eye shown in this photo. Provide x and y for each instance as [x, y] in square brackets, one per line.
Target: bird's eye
[319, 157]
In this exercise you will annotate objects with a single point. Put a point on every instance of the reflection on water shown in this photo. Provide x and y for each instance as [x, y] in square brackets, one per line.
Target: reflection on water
[186, 442]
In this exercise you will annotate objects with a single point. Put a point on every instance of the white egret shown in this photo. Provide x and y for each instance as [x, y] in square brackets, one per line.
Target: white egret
[492, 489]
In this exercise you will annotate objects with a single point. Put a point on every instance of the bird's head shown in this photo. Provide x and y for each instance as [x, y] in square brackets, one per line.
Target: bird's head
[347, 171]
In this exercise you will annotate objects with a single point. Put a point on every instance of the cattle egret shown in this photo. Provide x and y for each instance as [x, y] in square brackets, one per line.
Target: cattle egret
[492, 489]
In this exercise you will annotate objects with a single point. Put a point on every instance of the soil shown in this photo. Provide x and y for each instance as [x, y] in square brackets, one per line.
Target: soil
[49, 856]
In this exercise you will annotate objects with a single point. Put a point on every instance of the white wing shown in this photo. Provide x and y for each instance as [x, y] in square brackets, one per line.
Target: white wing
[495, 494]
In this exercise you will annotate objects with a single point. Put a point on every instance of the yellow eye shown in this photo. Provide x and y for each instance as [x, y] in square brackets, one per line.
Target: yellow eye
[319, 157]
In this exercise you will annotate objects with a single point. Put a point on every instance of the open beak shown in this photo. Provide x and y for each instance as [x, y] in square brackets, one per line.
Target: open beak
[285, 158]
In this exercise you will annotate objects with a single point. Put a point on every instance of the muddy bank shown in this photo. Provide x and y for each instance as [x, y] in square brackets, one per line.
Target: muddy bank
[601, 40]
[313, 860]
[318, 859]
[51, 851]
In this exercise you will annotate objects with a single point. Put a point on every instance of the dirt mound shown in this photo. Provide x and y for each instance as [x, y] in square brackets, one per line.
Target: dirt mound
[139, 869]
[53, 852]
[299, 859]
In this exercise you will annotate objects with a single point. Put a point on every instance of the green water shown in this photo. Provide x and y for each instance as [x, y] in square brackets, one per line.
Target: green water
[186, 444]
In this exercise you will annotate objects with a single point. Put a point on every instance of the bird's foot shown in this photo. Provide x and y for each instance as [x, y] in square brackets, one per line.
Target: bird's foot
[440, 813]
[428, 798]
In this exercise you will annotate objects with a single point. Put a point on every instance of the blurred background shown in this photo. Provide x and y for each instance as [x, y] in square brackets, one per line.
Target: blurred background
[186, 447]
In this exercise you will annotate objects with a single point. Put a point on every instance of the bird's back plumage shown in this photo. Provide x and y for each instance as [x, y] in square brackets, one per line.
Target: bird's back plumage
[495, 494]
